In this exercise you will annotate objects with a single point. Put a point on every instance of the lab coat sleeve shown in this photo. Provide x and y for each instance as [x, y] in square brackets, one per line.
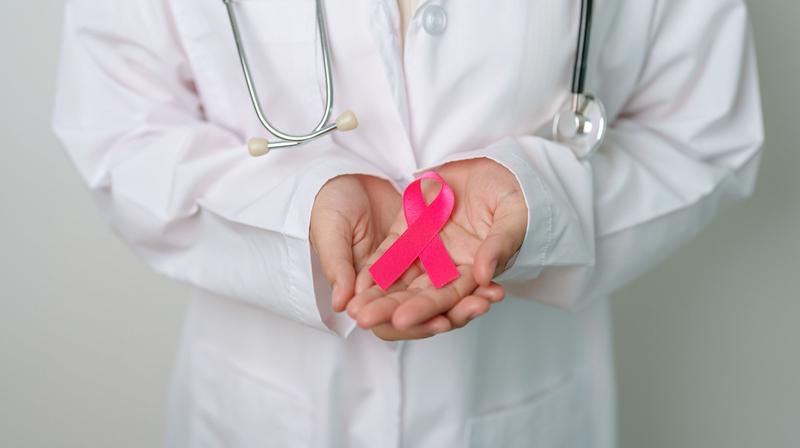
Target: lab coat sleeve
[686, 143]
[180, 190]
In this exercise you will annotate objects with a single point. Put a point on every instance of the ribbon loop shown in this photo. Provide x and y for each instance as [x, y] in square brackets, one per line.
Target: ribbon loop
[421, 239]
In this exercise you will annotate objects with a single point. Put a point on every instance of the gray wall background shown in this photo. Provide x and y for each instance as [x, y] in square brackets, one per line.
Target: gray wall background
[707, 345]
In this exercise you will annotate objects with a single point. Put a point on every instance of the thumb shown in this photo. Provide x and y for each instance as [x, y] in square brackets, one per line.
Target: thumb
[332, 239]
[503, 241]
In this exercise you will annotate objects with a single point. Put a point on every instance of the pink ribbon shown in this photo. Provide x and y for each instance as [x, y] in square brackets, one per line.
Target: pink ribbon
[421, 239]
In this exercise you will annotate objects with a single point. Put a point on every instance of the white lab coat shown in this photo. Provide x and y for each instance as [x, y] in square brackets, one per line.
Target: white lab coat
[154, 113]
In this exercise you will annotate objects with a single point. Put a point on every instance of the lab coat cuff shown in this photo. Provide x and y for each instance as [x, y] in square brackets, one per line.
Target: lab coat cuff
[532, 256]
[309, 291]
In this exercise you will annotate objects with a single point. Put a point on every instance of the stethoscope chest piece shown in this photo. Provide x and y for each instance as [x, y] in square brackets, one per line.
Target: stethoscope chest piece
[581, 126]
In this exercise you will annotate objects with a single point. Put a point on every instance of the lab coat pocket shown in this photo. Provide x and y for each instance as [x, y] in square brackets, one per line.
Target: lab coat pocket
[544, 420]
[234, 407]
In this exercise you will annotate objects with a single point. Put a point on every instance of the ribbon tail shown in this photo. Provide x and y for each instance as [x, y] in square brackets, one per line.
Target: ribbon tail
[438, 264]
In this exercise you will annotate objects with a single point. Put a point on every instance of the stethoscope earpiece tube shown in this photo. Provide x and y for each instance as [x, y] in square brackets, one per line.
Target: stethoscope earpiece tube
[259, 146]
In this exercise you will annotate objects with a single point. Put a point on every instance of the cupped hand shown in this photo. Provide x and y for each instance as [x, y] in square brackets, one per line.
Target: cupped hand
[486, 228]
[350, 217]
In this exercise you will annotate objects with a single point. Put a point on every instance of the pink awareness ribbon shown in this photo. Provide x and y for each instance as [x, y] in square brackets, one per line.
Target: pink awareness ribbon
[421, 239]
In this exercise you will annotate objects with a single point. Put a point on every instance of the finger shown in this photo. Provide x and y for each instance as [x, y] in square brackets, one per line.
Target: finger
[362, 299]
[365, 297]
[333, 242]
[437, 325]
[376, 306]
[467, 309]
[379, 311]
[494, 292]
[429, 302]
[504, 239]
[343, 285]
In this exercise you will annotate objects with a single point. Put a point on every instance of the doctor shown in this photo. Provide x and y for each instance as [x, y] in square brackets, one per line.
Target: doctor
[153, 112]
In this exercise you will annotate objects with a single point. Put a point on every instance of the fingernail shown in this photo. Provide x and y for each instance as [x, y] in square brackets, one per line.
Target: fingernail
[439, 327]
[334, 293]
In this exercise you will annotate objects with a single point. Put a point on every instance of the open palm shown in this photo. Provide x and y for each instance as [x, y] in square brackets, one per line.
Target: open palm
[486, 228]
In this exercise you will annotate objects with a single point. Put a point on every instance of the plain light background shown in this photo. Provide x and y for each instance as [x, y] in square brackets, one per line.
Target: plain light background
[707, 344]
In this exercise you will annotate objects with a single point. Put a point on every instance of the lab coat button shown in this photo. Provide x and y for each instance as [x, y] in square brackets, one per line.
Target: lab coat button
[434, 20]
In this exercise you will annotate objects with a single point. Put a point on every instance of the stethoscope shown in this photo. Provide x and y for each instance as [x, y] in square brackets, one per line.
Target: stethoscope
[580, 126]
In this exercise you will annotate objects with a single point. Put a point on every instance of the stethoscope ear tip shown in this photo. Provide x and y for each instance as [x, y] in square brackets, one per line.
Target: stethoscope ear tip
[257, 147]
[346, 121]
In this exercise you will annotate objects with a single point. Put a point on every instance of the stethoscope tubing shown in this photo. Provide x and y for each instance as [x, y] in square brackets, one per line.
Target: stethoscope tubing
[287, 139]
[578, 105]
